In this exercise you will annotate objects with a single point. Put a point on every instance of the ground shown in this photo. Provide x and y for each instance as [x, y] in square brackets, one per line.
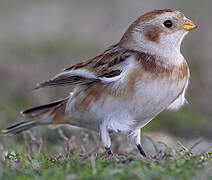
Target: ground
[74, 163]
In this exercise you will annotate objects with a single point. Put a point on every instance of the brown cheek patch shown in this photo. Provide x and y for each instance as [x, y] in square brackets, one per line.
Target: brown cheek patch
[153, 34]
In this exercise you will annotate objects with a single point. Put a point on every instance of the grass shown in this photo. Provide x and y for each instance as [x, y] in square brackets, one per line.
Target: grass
[167, 164]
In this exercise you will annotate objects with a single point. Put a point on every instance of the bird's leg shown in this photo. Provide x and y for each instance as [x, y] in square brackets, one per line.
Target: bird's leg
[141, 150]
[135, 137]
[105, 139]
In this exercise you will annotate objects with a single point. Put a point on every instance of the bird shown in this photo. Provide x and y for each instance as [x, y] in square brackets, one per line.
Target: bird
[123, 88]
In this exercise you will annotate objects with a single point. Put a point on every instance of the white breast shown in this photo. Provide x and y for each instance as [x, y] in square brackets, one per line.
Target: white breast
[177, 103]
[154, 97]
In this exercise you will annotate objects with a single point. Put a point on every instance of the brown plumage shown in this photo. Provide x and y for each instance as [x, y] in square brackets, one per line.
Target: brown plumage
[126, 86]
[106, 65]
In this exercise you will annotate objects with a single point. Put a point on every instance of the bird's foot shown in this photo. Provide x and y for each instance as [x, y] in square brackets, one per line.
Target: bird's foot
[108, 151]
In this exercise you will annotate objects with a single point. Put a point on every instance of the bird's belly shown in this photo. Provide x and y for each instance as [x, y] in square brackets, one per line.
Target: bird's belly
[148, 100]
[114, 109]
[153, 97]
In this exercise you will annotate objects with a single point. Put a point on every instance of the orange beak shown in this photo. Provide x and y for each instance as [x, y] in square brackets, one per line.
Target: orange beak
[189, 25]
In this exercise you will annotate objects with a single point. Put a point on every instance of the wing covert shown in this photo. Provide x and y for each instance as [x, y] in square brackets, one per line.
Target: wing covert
[106, 67]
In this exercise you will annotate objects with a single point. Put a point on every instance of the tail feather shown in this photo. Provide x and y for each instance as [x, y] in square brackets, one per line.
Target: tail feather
[41, 115]
[19, 127]
[40, 109]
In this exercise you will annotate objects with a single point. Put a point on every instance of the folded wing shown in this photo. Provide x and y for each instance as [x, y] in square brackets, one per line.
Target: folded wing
[106, 67]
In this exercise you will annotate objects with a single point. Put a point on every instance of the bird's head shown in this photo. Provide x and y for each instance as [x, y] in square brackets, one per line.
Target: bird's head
[159, 32]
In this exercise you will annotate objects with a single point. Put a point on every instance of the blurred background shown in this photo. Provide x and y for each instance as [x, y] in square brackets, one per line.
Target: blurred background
[39, 38]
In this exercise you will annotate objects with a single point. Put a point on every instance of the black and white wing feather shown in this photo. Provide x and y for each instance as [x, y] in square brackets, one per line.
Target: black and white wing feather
[106, 67]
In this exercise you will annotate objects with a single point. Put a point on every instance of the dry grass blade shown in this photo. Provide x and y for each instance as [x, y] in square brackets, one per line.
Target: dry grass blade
[95, 138]
[164, 144]
[182, 146]
[30, 141]
[93, 164]
[153, 143]
[69, 144]
[65, 141]
[91, 152]
[62, 135]
[196, 144]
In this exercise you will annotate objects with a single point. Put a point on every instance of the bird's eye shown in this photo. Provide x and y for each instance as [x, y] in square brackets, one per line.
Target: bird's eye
[168, 23]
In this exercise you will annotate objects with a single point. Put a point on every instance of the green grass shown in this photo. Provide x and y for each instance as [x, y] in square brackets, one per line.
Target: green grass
[168, 164]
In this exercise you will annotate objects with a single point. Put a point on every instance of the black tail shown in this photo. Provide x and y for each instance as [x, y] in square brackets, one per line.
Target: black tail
[41, 115]
[41, 109]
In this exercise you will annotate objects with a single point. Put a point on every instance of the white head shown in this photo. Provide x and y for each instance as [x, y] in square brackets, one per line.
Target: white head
[159, 32]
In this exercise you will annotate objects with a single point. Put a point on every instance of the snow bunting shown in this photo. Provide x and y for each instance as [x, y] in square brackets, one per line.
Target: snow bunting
[126, 86]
